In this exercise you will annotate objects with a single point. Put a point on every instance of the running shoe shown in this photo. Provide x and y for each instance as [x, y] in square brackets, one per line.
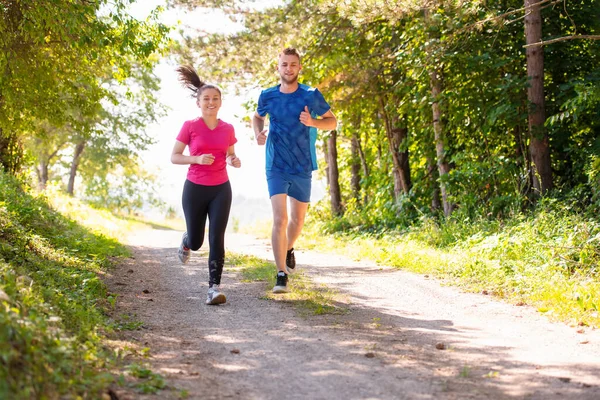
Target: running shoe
[183, 252]
[214, 296]
[281, 285]
[290, 260]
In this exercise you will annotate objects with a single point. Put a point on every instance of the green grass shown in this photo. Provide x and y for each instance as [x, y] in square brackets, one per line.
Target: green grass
[302, 292]
[53, 302]
[549, 259]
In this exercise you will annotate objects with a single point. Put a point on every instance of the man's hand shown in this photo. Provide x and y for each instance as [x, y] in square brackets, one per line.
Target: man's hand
[305, 117]
[206, 159]
[261, 138]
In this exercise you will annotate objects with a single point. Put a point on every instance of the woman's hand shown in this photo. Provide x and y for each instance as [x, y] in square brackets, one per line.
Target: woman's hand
[234, 161]
[205, 159]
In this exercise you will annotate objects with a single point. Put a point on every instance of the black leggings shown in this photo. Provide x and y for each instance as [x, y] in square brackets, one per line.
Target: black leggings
[214, 202]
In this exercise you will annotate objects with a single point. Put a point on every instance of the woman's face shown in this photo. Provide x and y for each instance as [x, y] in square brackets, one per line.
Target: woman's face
[209, 102]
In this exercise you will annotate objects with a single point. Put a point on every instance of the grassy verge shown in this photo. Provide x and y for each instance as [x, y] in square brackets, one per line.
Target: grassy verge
[52, 299]
[302, 292]
[549, 260]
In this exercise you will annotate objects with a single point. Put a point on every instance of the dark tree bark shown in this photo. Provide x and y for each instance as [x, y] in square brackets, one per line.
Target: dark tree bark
[399, 138]
[334, 184]
[539, 144]
[11, 153]
[355, 166]
[43, 166]
[396, 136]
[432, 173]
[326, 156]
[74, 165]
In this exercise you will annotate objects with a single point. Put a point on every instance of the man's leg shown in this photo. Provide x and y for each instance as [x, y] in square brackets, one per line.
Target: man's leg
[297, 215]
[278, 234]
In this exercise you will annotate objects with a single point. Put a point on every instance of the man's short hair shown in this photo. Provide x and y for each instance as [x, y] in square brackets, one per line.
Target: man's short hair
[290, 51]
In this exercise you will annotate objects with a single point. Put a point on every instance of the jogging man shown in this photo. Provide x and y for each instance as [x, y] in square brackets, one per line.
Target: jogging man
[295, 112]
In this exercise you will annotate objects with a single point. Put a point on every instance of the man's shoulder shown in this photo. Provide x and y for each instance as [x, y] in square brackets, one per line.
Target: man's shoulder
[270, 91]
[306, 88]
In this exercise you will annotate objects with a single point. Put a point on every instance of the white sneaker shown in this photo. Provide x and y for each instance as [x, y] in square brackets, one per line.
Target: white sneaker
[183, 252]
[214, 296]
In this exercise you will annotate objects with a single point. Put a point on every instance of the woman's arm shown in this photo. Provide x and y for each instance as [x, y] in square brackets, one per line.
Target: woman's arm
[177, 156]
[232, 159]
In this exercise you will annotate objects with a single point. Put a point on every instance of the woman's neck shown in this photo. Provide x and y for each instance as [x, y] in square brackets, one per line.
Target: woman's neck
[211, 121]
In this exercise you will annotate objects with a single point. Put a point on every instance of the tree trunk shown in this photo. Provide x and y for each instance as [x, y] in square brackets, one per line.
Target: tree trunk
[400, 136]
[355, 166]
[74, 165]
[334, 184]
[11, 153]
[326, 156]
[44, 165]
[365, 169]
[42, 173]
[396, 137]
[440, 145]
[436, 203]
[539, 144]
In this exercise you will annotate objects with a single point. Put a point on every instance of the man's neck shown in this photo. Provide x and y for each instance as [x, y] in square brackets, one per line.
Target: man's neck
[288, 87]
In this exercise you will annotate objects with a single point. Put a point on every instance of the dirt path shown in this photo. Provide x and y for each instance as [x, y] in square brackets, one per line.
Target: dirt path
[383, 347]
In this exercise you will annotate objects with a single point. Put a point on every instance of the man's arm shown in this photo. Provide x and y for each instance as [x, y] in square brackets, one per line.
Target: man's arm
[260, 133]
[327, 122]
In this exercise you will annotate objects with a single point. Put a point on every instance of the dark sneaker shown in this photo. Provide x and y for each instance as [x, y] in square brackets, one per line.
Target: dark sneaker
[290, 260]
[183, 252]
[281, 285]
[214, 296]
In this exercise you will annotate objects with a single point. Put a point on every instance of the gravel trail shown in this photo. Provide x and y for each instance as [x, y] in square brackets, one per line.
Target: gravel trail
[383, 345]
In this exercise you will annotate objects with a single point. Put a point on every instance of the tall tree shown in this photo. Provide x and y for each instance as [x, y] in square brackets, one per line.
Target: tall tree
[539, 143]
[51, 55]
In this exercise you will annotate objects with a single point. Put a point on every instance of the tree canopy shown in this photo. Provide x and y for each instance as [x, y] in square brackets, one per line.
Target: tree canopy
[432, 97]
[69, 69]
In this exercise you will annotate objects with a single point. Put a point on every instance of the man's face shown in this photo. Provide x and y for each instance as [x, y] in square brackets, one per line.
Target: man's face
[289, 67]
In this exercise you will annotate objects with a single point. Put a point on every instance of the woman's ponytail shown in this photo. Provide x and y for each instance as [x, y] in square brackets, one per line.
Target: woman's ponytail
[189, 78]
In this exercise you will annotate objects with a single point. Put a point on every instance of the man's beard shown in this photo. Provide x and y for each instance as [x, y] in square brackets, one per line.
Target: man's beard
[289, 79]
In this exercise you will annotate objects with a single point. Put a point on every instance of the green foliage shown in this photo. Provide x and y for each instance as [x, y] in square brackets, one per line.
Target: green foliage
[124, 189]
[150, 382]
[52, 314]
[75, 74]
[548, 258]
[373, 64]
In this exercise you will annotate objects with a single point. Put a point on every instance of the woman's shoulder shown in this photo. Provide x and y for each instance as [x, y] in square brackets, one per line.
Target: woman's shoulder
[194, 121]
[226, 125]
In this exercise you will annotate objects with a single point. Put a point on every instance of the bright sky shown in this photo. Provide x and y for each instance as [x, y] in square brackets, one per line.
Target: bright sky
[249, 180]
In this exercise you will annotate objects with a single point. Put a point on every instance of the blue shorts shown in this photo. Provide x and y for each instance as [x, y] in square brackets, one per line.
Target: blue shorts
[296, 186]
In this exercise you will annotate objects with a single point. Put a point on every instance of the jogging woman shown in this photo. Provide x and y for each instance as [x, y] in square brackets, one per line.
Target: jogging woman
[206, 191]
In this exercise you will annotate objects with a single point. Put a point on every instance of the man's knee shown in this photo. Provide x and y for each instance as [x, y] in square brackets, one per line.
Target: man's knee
[280, 221]
[297, 220]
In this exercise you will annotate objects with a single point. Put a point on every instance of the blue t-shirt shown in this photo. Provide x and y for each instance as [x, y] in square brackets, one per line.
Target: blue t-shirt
[290, 145]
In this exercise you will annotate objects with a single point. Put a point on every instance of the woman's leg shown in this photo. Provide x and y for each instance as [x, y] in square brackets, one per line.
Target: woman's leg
[195, 208]
[218, 216]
